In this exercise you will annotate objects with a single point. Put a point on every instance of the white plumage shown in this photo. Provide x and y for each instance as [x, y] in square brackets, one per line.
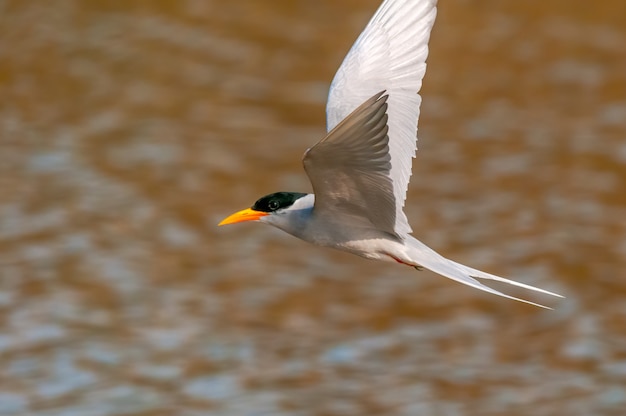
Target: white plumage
[360, 171]
[390, 55]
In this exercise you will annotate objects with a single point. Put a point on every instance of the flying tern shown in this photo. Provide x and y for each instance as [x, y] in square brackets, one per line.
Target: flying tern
[360, 171]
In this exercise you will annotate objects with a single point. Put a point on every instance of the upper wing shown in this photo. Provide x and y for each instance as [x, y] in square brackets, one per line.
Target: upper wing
[390, 54]
[349, 170]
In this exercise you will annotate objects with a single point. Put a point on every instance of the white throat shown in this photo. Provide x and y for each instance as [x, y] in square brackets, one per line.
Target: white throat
[294, 219]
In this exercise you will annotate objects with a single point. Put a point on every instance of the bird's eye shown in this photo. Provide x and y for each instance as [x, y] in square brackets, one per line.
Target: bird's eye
[273, 205]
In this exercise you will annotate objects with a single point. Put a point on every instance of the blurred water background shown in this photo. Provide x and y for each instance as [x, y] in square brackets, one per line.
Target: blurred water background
[129, 129]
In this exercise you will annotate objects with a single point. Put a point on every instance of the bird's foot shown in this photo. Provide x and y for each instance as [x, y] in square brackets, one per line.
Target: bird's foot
[415, 266]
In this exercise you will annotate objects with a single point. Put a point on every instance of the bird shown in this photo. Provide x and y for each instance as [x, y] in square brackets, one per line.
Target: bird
[360, 170]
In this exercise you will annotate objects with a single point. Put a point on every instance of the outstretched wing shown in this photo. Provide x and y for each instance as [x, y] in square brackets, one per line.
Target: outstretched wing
[390, 54]
[349, 170]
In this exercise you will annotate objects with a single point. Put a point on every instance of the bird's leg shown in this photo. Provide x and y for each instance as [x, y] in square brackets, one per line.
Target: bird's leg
[415, 266]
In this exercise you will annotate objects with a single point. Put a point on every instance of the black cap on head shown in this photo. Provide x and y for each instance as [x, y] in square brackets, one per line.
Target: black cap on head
[276, 201]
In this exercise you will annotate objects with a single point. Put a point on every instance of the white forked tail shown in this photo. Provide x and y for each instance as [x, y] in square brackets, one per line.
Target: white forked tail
[430, 259]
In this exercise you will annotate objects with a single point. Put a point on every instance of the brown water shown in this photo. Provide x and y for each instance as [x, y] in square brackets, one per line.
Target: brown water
[129, 129]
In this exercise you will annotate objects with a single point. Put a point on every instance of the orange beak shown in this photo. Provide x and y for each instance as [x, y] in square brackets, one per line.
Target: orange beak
[247, 214]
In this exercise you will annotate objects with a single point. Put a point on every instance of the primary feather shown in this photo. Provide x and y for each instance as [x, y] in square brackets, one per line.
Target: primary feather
[390, 54]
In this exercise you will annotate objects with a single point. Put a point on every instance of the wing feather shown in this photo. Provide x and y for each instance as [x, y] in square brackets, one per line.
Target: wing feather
[390, 54]
[349, 171]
